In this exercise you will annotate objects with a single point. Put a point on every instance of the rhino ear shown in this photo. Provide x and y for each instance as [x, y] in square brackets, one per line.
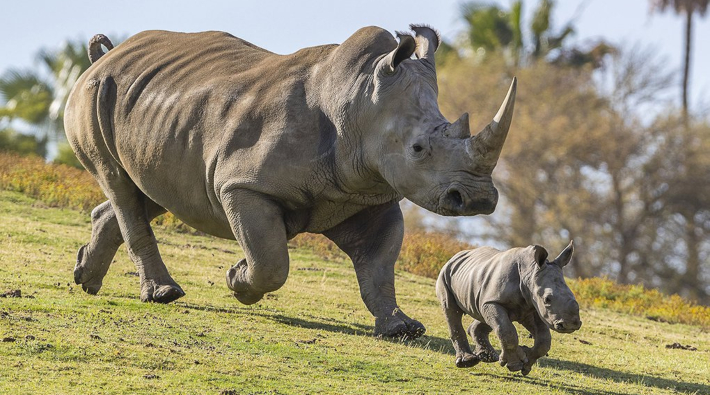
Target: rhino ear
[565, 256]
[427, 40]
[540, 254]
[404, 50]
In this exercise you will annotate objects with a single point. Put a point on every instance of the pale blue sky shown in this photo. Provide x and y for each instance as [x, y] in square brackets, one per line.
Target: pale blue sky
[285, 26]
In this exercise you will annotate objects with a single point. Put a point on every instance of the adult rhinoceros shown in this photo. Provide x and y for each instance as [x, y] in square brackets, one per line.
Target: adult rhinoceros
[244, 144]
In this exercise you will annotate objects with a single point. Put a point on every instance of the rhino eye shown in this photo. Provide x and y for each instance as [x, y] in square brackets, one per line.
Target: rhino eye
[417, 148]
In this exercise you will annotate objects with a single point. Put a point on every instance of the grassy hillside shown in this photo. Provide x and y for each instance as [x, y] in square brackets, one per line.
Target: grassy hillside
[312, 336]
[422, 252]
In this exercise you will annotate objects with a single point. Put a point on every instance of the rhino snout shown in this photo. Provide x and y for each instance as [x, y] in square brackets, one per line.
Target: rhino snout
[455, 201]
[568, 326]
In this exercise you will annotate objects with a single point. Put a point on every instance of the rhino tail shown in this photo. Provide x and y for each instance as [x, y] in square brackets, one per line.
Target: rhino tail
[105, 104]
[95, 50]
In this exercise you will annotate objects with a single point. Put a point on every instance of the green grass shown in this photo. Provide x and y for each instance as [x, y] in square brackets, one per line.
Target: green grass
[312, 336]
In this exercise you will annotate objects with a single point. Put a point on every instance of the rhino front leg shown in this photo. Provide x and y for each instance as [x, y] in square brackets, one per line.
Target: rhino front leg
[543, 341]
[453, 314]
[94, 258]
[480, 332]
[372, 238]
[513, 356]
[258, 226]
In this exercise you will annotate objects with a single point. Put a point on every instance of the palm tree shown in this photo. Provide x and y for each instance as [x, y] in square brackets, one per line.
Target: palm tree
[38, 97]
[491, 28]
[687, 8]
[494, 29]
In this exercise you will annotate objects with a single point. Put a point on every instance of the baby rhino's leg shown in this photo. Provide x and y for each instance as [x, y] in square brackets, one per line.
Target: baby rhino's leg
[480, 331]
[541, 333]
[512, 356]
[464, 357]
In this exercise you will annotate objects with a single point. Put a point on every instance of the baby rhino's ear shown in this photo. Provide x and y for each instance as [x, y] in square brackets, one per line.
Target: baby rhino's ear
[540, 254]
[565, 256]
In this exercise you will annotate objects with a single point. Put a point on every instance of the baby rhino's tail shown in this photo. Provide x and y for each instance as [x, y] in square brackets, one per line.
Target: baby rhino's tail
[95, 50]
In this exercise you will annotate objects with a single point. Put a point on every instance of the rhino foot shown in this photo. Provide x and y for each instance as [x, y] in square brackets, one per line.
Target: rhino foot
[526, 369]
[241, 289]
[487, 356]
[527, 366]
[398, 325]
[90, 280]
[161, 293]
[514, 359]
[467, 361]
[248, 298]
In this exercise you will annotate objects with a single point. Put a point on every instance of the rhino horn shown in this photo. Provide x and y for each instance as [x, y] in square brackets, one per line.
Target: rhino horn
[488, 143]
[459, 129]
[427, 42]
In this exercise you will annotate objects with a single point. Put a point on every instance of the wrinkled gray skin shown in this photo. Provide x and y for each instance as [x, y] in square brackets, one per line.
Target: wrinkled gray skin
[497, 288]
[245, 144]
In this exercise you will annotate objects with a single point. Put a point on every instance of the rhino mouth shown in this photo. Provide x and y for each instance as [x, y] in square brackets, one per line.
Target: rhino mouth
[566, 326]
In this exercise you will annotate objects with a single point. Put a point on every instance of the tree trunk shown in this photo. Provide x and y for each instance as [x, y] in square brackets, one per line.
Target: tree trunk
[623, 246]
[691, 278]
[686, 69]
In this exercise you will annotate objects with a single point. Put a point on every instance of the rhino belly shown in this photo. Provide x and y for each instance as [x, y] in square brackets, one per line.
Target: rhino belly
[177, 180]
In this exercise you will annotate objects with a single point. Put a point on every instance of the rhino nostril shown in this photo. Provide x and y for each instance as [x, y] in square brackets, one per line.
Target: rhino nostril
[455, 198]
[559, 325]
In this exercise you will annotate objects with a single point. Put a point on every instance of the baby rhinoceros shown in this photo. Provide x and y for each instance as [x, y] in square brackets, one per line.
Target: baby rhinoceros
[499, 287]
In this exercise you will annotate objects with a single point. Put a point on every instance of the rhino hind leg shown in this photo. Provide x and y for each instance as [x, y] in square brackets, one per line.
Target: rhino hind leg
[94, 258]
[465, 358]
[372, 238]
[133, 212]
[480, 333]
[258, 225]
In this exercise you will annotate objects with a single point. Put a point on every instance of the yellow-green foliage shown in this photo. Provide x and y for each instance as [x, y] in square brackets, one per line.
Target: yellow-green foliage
[59, 185]
[318, 244]
[637, 300]
[422, 253]
[55, 185]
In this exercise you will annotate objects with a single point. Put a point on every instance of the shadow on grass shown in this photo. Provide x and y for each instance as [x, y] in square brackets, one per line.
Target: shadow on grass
[328, 324]
[549, 387]
[206, 307]
[320, 323]
[431, 343]
[623, 377]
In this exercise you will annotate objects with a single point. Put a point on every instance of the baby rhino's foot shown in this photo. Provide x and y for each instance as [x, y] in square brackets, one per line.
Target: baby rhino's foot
[466, 360]
[487, 355]
[513, 359]
[527, 366]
